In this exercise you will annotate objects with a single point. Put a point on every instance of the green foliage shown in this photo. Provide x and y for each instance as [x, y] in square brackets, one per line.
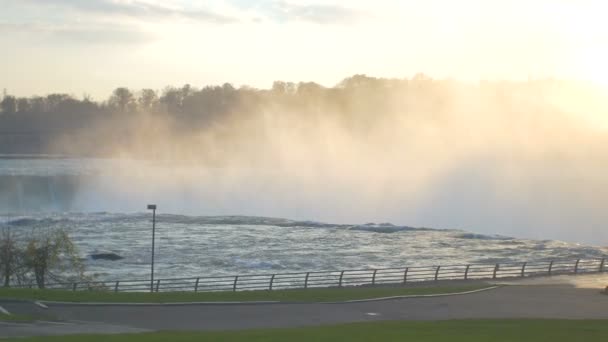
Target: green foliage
[52, 253]
[42, 255]
[16, 318]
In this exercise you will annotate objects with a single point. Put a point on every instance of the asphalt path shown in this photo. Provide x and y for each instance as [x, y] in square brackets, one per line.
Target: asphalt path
[48, 328]
[506, 302]
[512, 301]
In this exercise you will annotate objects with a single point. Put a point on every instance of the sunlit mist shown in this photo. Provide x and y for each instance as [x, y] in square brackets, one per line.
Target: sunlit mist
[489, 116]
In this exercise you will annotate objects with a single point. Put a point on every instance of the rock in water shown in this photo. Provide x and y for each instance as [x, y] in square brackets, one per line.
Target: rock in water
[106, 256]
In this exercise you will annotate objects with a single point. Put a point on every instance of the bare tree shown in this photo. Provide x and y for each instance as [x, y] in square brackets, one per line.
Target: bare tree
[9, 255]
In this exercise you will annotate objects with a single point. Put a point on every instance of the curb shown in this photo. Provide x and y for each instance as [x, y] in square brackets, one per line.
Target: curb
[51, 303]
[41, 305]
[415, 296]
[4, 311]
[59, 303]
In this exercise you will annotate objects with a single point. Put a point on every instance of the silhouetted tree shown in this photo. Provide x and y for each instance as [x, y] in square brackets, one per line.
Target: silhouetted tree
[122, 99]
[23, 105]
[284, 88]
[357, 103]
[8, 105]
[54, 100]
[172, 100]
[148, 100]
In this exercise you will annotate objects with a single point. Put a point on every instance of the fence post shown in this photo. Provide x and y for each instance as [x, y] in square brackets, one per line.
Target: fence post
[116, 286]
[157, 284]
[437, 273]
[236, 278]
[550, 267]
[576, 265]
[374, 277]
[306, 280]
[196, 284]
[495, 270]
[602, 264]
[271, 281]
[523, 269]
[466, 272]
[74, 286]
[405, 275]
[340, 281]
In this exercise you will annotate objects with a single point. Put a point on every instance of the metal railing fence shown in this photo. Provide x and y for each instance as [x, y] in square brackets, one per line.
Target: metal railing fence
[343, 278]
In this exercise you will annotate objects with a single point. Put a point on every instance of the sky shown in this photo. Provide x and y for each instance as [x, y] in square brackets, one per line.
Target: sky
[93, 46]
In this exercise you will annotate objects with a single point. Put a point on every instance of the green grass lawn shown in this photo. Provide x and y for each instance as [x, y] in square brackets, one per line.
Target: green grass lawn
[466, 331]
[309, 295]
[16, 318]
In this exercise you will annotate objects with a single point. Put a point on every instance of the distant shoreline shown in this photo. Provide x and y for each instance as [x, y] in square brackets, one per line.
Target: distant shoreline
[34, 156]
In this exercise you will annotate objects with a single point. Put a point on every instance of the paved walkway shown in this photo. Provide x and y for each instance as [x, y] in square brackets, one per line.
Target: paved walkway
[505, 302]
[10, 329]
[515, 301]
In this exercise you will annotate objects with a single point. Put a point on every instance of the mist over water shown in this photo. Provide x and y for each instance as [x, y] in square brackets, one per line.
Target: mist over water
[497, 152]
[548, 202]
[526, 160]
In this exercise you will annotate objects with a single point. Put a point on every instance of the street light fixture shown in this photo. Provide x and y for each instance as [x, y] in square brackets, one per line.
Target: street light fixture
[153, 208]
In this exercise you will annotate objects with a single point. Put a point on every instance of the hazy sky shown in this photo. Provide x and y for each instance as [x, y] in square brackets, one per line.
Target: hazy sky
[94, 46]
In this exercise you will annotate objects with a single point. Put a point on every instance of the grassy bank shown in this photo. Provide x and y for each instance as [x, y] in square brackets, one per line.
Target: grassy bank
[16, 318]
[469, 331]
[309, 295]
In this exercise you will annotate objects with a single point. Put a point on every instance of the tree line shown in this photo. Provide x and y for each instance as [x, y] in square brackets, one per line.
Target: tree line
[31, 124]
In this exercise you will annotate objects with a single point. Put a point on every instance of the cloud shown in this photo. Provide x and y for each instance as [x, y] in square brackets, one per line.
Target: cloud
[283, 11]
[114, 36]
[93, 21]
[229, 12]
[133, 9]
[83, 34]
[320, 14]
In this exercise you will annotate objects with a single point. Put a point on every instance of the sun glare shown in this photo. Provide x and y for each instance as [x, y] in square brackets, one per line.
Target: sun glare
[593, 63]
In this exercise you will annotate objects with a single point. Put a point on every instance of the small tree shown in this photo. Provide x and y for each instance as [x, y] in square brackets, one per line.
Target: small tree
[9, 256]
[51, 254]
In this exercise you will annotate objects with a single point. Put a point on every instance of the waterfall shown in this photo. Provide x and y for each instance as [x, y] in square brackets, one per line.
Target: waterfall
[19, 190]
[52, 194]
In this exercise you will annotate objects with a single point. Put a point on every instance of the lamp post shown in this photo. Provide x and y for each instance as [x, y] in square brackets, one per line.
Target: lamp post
[153, 208]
